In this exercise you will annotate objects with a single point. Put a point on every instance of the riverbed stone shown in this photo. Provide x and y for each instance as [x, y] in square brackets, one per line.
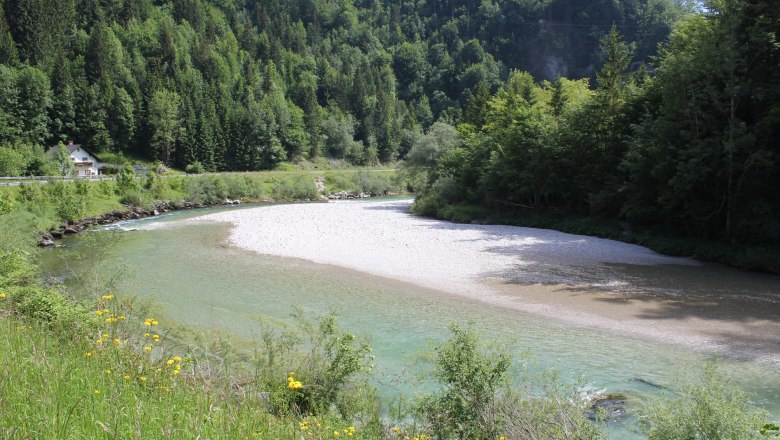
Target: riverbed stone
[612, 406]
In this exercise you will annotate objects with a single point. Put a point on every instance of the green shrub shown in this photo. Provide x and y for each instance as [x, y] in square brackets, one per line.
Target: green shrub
[20, 284]
[470, 377]
[428, 204]
[296, 188]
[126, 181]
[195, 168]
[207, 189]
[328, 363]
[69, 205]
[285, 166]
[340, 182]
[708, 408]
[132, 198]
[555, 412]
[374, 183]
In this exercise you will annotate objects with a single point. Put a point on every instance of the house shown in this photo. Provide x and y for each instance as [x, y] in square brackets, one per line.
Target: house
[86, 164]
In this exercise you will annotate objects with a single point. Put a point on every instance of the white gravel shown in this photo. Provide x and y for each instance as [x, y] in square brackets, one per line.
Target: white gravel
[383, 238]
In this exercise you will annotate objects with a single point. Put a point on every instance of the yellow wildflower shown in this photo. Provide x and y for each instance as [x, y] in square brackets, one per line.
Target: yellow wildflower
[107, 371]
[169, 362]
[3, 295]
[335, 433]
[108, 297]
[142, 378]
[98, 312]
[97, 392]
[156, 338]
[126, 377]
[148, 348]
[177, 359]
[117, 342]
[88, 354]
[293, 384]
[176, 372]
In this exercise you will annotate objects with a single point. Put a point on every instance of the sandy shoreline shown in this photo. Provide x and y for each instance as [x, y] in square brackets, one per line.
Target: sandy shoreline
[583, 281]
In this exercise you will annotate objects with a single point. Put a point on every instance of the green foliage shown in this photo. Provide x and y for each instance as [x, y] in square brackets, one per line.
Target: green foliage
[470, 376]
[478, 399]
[708, 408]
[296, 188]
[195, 168]
[334, 357]
[207, 189]
[70, 205]
[19, 282]
[126, 181]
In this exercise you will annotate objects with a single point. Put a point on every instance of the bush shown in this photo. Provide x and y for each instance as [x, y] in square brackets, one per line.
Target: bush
[470, 376]
[132, 198]
[323, 375]
[710, 408]
[477, 401]
[19, 282]
[428, 204]
[195, 168]
[207, 189]
[296, 188]
[374, 183]
[125, 180]
[339, 182]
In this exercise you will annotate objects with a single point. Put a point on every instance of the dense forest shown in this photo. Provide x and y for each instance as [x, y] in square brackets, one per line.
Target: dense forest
[688, 145]
[660, 112]
[243, 85]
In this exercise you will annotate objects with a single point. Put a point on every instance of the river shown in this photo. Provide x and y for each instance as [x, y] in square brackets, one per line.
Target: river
[193, 275]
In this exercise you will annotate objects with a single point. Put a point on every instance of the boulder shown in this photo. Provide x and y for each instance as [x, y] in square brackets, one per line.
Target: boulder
[70, 231]
[46, 242]
[611, 406]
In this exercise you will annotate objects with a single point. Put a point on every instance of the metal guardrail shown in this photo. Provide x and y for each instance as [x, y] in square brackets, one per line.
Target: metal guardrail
[43, 180]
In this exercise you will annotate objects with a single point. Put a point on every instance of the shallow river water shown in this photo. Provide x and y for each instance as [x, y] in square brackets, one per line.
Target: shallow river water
[194, 277]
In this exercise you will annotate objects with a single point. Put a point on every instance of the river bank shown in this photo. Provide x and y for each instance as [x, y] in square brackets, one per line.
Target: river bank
[584, 281]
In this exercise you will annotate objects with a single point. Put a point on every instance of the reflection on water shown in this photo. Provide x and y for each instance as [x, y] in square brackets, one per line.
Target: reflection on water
[197, 279]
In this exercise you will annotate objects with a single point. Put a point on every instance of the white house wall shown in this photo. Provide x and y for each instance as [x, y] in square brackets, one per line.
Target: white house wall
[79, 156]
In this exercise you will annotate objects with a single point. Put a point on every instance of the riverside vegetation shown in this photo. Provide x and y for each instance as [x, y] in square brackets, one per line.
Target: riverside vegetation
[89, 363]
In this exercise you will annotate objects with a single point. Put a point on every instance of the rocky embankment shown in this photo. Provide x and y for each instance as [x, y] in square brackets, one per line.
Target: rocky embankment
[47, 239]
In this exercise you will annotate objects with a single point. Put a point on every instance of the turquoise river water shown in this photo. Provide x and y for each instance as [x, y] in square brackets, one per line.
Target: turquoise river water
[193, 276]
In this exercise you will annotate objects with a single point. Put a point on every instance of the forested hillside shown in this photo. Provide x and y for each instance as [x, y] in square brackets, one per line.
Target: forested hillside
[689, 147]
[243, 85]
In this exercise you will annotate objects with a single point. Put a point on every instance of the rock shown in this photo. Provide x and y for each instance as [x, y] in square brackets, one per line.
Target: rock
[56, 234]
[45, 242]
[611, 406]
[155, 213]
[70, 231]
